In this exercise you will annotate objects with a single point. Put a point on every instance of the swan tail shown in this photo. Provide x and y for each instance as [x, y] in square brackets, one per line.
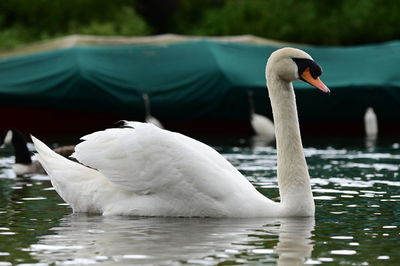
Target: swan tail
[74, 182]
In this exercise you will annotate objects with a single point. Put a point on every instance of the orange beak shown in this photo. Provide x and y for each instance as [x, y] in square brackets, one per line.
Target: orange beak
[316, 82]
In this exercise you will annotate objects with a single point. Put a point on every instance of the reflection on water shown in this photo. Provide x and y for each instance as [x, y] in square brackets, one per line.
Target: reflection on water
[356, 190]
[90, 239]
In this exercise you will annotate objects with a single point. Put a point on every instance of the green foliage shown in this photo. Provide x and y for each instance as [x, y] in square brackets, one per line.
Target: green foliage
[14, 36]
[191, 13]
[127, 23]
[339, 22]
[26, 21]
[307, 21]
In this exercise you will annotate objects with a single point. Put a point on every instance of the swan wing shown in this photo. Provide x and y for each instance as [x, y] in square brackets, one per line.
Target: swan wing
[145, 159]
[77, 184]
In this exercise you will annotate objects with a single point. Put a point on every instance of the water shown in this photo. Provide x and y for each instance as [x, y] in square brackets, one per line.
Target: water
[356, 189]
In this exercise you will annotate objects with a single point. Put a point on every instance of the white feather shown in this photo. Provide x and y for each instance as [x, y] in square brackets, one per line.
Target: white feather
[149, 171]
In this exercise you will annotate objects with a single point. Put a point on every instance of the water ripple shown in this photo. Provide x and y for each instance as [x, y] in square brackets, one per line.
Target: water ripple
[356, 191]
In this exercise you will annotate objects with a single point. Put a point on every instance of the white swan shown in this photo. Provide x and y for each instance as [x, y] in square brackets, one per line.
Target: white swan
[148, 117]
[370, 123]
[147, 171]
[261, 125]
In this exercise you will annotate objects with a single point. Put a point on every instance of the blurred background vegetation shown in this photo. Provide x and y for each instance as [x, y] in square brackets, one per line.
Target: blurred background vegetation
[339, 22]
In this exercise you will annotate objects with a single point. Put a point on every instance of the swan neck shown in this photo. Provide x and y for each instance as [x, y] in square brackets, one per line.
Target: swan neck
[292, 170]
[147, 108]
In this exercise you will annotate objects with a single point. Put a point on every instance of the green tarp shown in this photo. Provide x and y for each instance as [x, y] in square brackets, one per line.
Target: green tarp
[200, 79]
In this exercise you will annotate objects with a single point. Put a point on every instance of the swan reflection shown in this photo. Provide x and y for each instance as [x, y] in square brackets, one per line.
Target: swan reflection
[83, 239]
[261, 141]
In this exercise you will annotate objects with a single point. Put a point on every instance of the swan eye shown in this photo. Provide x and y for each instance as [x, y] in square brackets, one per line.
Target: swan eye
[304, 63]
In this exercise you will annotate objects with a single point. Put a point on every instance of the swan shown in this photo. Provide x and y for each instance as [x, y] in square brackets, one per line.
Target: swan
[142, 170]
[148, 117]
[261, 125]
[370, 123]
[23, 163]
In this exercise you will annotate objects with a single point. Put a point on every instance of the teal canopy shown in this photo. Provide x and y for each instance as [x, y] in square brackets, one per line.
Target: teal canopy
[200, 79]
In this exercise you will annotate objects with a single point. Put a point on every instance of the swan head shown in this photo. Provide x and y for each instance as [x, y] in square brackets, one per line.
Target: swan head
[290, 64]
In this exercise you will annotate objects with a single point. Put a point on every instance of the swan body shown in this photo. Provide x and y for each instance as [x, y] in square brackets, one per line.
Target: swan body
[261, 125]
[143, 170]
[23, 163]
[147, 171]
[370, 123]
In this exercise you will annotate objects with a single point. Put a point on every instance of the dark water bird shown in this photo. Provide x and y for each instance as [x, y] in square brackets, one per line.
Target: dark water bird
[23, 163]
[143, 170]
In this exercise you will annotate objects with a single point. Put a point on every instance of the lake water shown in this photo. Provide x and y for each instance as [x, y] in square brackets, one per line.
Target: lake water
[356, 187]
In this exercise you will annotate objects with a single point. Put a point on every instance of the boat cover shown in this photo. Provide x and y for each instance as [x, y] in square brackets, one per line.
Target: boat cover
[200, 79]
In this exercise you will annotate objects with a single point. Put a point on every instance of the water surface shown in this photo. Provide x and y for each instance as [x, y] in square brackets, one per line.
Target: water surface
[356, 186]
